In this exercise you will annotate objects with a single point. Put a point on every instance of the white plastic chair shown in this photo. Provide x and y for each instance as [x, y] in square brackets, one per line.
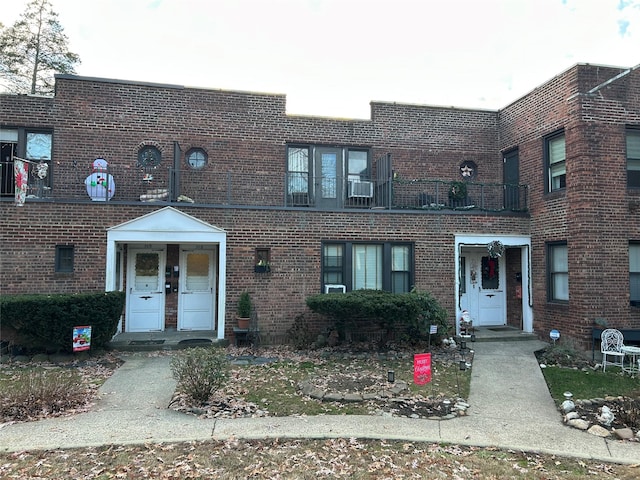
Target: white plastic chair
[611, 346]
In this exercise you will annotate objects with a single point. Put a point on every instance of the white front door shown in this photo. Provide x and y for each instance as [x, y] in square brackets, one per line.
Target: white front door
[484, 294]
[145, 292]
[197, 290]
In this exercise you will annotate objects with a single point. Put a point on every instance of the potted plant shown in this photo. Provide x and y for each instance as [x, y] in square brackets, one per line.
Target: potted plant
[244, 310]
[263, 266]
[457, 193]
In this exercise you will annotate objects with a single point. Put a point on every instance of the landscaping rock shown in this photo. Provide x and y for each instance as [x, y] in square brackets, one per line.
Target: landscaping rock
[624, 433]
[352, 397]
[599, 431]
[571, 416]
[578, 423]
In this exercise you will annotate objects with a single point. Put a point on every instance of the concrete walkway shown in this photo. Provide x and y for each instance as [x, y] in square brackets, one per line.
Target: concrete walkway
[510, 408]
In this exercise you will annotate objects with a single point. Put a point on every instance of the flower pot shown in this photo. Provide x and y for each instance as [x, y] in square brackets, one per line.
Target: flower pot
[243, 323]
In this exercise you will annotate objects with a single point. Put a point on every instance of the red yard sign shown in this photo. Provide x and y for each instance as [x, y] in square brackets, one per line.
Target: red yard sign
[421, 368]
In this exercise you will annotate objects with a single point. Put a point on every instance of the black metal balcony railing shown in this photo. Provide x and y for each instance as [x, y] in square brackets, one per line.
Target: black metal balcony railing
[290, 190]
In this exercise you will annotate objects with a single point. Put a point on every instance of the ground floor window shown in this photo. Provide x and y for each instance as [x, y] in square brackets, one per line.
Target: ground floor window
[64, 258]
[557, 272]
[372, 265]
[634, 273]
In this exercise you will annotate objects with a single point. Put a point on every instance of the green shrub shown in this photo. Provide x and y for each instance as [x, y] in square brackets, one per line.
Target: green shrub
[415, 311]
[299, 334]
[47, 321]
[200, 371]
[36, 393]
[244, 305]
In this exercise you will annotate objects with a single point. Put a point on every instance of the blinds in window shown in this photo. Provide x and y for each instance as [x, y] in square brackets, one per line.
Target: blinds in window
[367, 267]
[557, 150]
[633, 150]
[634, 258]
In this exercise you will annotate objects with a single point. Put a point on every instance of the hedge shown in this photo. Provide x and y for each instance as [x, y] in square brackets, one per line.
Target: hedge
[46, 322]
[415, 311]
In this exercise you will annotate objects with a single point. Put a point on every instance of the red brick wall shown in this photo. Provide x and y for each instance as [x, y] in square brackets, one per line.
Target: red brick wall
[593, 215]
[294, 238]
[247, 133]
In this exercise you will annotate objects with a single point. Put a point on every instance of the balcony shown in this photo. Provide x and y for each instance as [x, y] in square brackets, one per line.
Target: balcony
[299, 190]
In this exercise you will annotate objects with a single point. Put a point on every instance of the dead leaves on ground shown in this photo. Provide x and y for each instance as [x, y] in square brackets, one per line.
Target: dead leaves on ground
[300, 459]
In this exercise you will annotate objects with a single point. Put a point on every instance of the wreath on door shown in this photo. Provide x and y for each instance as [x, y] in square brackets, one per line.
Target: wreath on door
[495, 248]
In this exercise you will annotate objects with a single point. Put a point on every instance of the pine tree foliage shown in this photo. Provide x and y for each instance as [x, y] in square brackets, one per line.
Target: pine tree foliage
[33, 50]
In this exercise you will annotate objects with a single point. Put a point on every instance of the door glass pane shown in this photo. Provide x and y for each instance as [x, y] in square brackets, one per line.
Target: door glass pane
[298, 167]
[329, 173]
[490, 273]
[367, 267]
[197, 277]
[146, 272]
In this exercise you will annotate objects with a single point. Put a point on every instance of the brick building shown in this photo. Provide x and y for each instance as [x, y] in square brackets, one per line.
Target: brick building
[197, 189]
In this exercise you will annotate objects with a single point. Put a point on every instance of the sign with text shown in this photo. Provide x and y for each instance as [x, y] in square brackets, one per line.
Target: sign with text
[421, 368]
[81, 338]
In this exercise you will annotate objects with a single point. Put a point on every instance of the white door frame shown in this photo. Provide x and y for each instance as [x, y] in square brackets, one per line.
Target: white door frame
[524, 243]
[164, 226]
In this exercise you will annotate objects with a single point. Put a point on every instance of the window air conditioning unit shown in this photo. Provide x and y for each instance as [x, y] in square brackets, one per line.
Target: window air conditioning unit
[335, 289]
[360, 189]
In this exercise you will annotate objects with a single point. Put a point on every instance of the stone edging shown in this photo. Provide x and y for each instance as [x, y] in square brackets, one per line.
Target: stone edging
[393, 394]
[573, 419]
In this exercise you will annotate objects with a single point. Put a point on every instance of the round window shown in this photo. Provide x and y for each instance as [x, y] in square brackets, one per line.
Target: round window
[149, 156]
[196, 158]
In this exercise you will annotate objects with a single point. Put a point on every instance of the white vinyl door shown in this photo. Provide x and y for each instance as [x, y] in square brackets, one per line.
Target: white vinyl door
[484, 297]
[197, 290]
[145, 292]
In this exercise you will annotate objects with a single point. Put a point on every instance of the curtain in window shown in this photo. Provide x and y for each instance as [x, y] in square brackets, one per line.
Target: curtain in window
[367, 267]
[560, 272]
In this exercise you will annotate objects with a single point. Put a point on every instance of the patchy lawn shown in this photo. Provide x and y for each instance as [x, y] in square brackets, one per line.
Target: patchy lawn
[302, 459]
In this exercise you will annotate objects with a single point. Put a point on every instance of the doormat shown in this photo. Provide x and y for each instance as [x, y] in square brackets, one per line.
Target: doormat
[194, 341]
[146, 342]
[502, 329]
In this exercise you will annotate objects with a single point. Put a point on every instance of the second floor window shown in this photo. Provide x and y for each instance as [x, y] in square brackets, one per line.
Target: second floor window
[633, 158]
[33, 145]
[328, 176]
[555, 161]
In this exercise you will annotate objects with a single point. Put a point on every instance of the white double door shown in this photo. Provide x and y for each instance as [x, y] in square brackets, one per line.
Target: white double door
[484, 288]
[146, 292]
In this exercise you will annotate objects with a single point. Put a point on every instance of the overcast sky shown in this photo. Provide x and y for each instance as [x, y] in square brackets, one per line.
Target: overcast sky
[332, 57]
